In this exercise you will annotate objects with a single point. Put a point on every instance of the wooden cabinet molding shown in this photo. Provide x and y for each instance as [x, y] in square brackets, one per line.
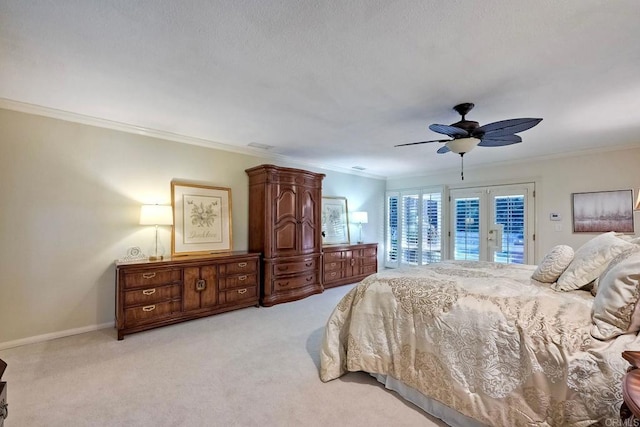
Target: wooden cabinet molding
[150, 294]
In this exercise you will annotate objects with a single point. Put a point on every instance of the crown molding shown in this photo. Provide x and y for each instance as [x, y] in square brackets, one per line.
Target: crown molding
[23, 107]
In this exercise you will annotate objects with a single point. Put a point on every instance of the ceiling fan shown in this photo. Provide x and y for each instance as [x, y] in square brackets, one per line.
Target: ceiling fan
[467, 134]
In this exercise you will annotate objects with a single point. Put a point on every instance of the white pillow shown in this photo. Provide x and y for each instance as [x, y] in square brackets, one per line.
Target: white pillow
[615, 310]
[590, 260]
[553, 264]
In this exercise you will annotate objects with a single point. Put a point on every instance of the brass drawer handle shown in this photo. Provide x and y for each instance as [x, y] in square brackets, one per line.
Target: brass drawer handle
[310, 278]
[309, 264]
[148, 275]
[149, 292]
[242, 264]
[242, 278]
[333, 264]
[283, 268]
[284, 284]
[242, 291]
[149, 308]
[333, 274]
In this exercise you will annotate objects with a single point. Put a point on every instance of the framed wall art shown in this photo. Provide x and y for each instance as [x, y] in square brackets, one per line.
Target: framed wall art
[202, 219]
[335, 221]
[603, 211]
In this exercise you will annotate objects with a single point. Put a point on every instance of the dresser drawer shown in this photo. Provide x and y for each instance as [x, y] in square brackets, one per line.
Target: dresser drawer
[151, 312]
[241, 267]
[337, 255]
[330, 276]
[368, 261]
[294, 267]
[151, 278]
[333, 266]
[370, 252]
[151, 295]
[233, 295]
[368, 269]
[294, 282]
[242, 280]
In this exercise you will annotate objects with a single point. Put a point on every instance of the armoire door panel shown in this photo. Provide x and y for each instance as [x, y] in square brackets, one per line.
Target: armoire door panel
[285, 206]
[285, 237]
[308, 241]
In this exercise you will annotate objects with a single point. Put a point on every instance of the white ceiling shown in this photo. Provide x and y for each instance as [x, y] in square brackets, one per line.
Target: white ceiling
[335, 83]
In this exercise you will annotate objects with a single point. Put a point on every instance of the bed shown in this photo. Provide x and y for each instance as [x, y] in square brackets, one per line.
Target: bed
[480, 343]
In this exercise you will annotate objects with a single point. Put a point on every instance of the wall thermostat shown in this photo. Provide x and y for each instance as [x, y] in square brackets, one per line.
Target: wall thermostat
[555, 216]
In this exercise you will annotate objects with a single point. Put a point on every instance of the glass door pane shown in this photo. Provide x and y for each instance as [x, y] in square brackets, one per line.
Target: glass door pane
[466, 228]
[510, 208]
[510, 213]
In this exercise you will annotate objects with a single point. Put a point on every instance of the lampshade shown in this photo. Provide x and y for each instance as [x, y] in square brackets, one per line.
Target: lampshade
[156, 215]
[462, 145]
[637, 207]
[360, 217]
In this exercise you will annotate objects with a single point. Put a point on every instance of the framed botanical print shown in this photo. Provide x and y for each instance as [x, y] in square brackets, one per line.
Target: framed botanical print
[202, 219]
[335, 221]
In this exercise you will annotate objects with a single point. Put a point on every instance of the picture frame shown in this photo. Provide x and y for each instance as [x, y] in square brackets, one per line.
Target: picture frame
[201, 219]
[603, 211]
[335, 221]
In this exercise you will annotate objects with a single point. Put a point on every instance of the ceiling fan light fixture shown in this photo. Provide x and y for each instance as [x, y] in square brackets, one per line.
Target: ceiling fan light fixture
[462, 145]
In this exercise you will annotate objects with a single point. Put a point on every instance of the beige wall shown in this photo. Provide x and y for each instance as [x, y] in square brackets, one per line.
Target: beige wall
[71, 197]
[555, 180]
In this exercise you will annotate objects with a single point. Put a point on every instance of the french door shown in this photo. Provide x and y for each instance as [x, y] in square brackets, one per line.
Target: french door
[492, 224]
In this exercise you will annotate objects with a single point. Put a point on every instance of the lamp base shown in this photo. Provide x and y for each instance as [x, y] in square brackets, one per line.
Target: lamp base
[156, 257]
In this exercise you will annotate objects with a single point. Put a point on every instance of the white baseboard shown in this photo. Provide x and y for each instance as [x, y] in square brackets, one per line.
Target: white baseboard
[54, 335]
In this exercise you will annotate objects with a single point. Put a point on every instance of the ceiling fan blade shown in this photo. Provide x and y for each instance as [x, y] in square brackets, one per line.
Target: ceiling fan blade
[497, 142]
[507, 138]
[443, 149]
[422, 142]
[452, 131]
[506, 127]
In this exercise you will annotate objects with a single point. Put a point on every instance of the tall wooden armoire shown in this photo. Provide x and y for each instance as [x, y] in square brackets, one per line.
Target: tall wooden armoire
[285, 226]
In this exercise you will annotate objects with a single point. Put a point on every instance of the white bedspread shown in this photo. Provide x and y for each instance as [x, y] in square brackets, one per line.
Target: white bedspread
[482, 338]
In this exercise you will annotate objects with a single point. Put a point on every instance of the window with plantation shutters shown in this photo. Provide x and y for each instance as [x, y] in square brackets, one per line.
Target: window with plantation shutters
[431, 227]
[392, 230]
[414, 228]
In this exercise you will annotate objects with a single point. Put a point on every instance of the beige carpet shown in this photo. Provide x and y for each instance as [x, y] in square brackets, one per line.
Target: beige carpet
[251, 367]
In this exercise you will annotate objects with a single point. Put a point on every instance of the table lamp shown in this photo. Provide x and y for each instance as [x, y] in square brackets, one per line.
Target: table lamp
[360, 218]
[156, 215]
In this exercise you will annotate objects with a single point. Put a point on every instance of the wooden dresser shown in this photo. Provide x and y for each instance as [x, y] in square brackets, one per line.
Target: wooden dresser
[344, 264]
[150, 294]
[285, 226]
